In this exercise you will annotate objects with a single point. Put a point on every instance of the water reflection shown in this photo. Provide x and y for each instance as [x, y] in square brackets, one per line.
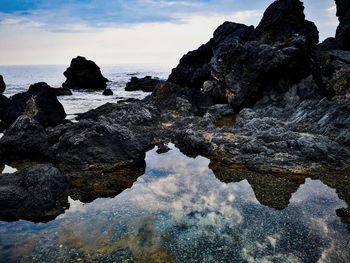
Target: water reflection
[179, 211]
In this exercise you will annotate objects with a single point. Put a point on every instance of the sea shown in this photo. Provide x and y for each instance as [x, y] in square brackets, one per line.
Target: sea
[179, 210]
[19, 78]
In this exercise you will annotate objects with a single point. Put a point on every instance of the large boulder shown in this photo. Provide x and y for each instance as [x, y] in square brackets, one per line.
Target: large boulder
[146, 84]
[84, 74]
[38, 102]
[100, 141]
[25, 139]
[343, 30]
[43, 87]
[283, 19]
[37, 193]
[2, 84]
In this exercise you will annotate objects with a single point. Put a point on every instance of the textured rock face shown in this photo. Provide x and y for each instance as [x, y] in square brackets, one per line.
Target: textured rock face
[84, 74]
[2, 84]
[36, 193]
[283, 19]
[25, 139]
[240, 63]
[39, 103]
[343, 30]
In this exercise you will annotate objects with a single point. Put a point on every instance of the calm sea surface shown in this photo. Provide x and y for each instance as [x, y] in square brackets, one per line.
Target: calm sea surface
[179, 210]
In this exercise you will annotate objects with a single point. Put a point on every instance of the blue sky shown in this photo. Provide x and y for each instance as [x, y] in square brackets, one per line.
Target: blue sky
[43, 23]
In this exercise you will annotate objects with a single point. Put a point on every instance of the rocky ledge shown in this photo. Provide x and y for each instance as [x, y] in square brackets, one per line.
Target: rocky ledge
[269, 99]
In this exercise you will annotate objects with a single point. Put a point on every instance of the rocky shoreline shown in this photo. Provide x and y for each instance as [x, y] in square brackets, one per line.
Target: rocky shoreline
[256, 102]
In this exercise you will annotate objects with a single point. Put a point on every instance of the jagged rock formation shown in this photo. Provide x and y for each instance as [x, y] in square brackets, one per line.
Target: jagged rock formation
[2, 84]
[343, 30]
[39, 102]
[240, 63]
[107, 92]
[84, 74]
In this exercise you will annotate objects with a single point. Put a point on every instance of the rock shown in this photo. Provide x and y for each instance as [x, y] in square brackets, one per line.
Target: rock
[193, 68]
[43, 87]
[107, 92]
[84, 74]
[101, 141]
[4, 101]
[146, 84]
[283, 19]
[39, 103]
[25, 139]
[37, 193]
[343, 30]
[163, 148]
[2, 84]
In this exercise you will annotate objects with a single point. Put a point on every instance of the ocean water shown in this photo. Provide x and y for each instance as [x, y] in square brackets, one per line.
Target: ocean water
[19, 78]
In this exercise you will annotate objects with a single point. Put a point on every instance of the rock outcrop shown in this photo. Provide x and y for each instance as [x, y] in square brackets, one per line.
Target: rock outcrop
[43, 87]
[239, 63]
[84, 74]
[38, 102]
[37, 193]
[146, 84]
[343, 30]
[2, 84]
[107, 92]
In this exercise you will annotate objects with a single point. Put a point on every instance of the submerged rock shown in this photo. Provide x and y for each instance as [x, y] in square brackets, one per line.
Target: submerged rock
[84, 74]
[343, 30]
[39, 102]
[146, 84]
[37, 193]
[107, 92]
[43, 87]
[2, 84]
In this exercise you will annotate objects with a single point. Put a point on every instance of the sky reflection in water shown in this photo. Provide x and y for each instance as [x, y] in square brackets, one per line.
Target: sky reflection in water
[180, 212]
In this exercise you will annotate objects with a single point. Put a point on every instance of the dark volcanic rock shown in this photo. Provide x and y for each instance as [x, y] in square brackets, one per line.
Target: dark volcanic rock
[146, 84]
[107, 92]
[41, 87]
[343, 30]
[39, 103]
[37, 193]
[98, 141]
[84, 74]
[239, 64]
[2, 84]
[25, 139]
[283, 19]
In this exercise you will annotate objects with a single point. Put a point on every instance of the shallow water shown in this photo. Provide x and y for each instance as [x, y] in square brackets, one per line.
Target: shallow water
[19, 78]
[178, 211]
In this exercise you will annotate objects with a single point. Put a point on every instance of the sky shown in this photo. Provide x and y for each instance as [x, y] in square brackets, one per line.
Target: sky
[156, 32]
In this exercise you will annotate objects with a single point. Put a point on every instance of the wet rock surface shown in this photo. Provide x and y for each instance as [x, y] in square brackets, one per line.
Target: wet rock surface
[84, 74]
[36, 193]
